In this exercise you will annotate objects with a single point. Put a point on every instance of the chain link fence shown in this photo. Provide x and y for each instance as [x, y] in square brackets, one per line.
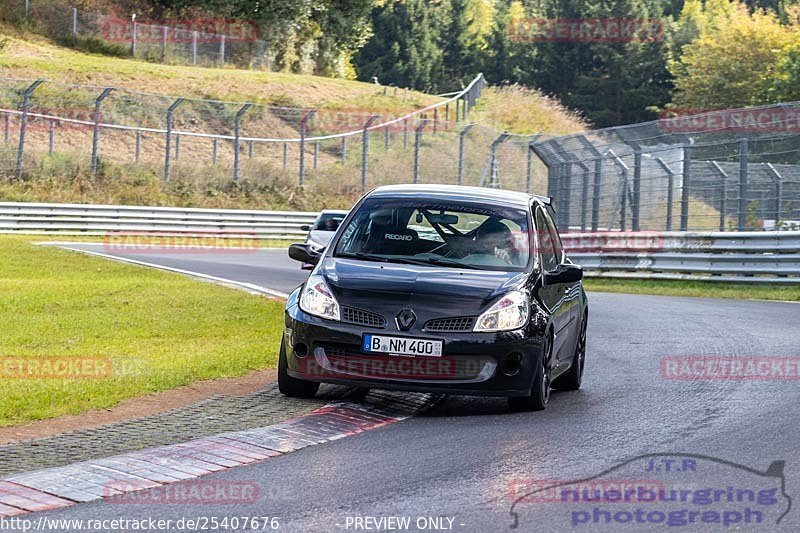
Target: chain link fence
[722, 171]
[725, 170]
[46, 124]
[202, 42]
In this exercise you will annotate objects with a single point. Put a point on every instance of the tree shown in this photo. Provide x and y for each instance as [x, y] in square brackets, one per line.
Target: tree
[733, 62]
[611, 81]
[405, 47]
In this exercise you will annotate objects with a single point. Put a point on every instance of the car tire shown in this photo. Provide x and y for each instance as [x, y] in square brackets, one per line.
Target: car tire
[540, 390]
[293, 387]
[572, 379]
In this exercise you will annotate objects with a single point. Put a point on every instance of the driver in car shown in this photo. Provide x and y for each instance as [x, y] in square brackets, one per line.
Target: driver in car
[494, 238]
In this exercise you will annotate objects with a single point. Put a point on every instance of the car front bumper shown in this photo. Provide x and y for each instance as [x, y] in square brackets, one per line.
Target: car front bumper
[486, 364]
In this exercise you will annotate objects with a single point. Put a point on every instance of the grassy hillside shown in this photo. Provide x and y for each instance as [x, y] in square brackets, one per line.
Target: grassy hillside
[24, 55]
[335, 181]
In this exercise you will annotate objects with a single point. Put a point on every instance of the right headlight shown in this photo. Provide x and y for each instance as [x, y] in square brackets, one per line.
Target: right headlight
[318, 300]
[509, 313]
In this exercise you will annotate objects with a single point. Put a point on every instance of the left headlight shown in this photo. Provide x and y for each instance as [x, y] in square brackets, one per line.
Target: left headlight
[510, 312]
[318, 300]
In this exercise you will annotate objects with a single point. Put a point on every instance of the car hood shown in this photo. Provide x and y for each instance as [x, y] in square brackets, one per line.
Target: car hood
[431, 291]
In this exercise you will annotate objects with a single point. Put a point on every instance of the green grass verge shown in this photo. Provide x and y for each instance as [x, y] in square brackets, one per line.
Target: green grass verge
[159, 330]
[705, 289]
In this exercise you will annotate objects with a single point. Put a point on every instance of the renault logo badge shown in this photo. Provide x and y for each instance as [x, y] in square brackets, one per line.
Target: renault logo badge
[405, 319]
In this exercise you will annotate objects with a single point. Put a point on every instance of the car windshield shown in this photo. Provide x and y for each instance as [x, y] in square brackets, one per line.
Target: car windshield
[328, 222]
[447, 234]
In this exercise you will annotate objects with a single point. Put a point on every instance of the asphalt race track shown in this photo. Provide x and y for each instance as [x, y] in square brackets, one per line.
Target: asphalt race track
[470, 460]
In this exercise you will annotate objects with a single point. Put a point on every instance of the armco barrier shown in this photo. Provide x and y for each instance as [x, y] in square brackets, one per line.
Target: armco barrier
[749, 257]
[80, 219]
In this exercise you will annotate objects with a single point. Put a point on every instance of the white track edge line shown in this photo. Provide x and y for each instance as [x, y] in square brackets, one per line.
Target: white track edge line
[252, 287]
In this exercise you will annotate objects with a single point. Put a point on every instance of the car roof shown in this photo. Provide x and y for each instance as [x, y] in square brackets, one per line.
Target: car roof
[458, 192]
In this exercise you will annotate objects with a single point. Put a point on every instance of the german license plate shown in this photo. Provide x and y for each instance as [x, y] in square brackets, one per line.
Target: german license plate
[402, 345]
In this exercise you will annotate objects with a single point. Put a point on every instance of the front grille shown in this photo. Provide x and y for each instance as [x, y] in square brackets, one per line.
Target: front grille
[454, 324]
[360, 317]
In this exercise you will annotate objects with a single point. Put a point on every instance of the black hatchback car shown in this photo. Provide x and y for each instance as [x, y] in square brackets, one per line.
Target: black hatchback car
[456, 290]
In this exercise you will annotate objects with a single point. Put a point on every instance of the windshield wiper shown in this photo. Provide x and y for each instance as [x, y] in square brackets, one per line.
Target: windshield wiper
[409, 261]
[366, 257]
[448, 262]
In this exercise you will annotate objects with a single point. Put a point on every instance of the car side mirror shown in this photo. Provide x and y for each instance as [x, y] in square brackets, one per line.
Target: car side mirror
[564, 273]
[305, 227]
[304, 253]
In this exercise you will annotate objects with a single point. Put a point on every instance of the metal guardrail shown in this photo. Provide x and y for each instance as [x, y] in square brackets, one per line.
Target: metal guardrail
[748, 257]
[94, 220]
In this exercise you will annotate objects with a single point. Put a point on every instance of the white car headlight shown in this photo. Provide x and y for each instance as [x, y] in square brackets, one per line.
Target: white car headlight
[318, 300]
[510, 312]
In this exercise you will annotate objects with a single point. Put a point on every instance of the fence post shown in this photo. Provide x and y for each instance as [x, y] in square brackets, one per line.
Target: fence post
[584, 193]
[138, 147]
[417, 142]
[435, 119]
[447, 116]
[250, 145]
[214, 148]
[96, 127]
[387, 137]
[405, 133]
[303, 124]
[723, 201]
[623, 202]
[170, 112]
[778, 179]
[670, 191]
[743, 158]
[23, 124]
[52, 139]
[494, 178]
[7, 128]
[365, 151]
[461, 136]
[637, 186]
[164, 33]
[316, 153]
[687, 174]
[74, 21]
[133, 35]
[597, 181]
[194, 47]
[237, 130]
[529, 163]
[344, 149]
[27, 8]
[222, 49]
[285, 156]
